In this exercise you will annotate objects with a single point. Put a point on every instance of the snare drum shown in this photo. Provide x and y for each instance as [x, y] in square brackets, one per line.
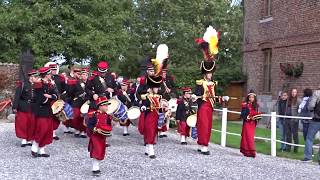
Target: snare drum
[118, 110]
[63, 111]
[161, 120]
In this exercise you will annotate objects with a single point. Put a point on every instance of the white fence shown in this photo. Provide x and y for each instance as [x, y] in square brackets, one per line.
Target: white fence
[273, 137]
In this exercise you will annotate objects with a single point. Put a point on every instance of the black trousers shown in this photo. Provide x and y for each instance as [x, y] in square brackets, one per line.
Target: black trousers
[291, 130]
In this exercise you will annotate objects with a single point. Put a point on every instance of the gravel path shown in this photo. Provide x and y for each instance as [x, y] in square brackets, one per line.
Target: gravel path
[126, 160]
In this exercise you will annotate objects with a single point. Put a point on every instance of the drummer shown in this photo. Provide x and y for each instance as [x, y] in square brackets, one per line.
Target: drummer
[44, 95]
[97, 143]
[104, 83]
[184, 110]
[60, 85]
[167, 91]
[76, 95]
[124, 95]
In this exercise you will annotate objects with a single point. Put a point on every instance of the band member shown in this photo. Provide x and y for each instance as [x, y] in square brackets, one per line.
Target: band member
[104, 84]
[44, 95]
[143, 89]
[151, 114]
[125, 97]
[167, 86]
[23, 106]
[250, 115]
[205, 88]
[135, 97]
[76, 97]
[184, 110]
[99, 125]
[60, 85]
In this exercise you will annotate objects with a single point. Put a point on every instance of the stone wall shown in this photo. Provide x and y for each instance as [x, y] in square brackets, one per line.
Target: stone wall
[9, 74]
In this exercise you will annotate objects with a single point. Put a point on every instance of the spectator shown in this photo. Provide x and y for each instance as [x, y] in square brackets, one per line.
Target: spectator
[292, 125]
[314, 126]
[304, 112]
[282, 110]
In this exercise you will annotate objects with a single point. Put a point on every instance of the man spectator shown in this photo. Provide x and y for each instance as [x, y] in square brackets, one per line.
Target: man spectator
[314, 126]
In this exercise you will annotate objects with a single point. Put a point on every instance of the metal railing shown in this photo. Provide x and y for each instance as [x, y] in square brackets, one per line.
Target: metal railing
[273, 137]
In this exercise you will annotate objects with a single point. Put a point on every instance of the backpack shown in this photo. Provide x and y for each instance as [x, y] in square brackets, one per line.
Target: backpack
[317, 109]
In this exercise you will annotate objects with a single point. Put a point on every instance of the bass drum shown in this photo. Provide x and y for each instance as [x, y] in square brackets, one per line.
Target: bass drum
[191, 122]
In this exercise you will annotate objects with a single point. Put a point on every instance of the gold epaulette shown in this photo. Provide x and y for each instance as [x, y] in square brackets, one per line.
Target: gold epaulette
[144, 96]
[199, 82]
[215, 83]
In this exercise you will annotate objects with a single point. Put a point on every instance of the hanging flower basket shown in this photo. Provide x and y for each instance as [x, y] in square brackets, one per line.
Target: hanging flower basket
[292, 70]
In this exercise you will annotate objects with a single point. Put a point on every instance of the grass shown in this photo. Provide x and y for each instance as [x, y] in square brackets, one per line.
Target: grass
[262, 146]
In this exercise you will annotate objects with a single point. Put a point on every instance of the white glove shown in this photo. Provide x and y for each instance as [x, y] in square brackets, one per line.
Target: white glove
[225, 98]
[299, 110]
[143, 108]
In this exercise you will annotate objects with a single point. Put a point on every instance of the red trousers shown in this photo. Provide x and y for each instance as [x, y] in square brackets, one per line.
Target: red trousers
[204, 123]
[56, 123]
[44, 130]
[25, 125]
[183, 129]
[128, 122]
[77, 121]
[150, 127]
[247, 146]
[141, 123]
[97, 146]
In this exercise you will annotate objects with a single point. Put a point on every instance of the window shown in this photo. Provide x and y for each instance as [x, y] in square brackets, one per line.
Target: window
[267, 8]
[267, 70]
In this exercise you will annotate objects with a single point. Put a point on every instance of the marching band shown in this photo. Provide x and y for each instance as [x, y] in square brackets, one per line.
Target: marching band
[90, 103]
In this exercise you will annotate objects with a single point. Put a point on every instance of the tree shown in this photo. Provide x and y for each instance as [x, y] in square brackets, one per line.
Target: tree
[128, 30]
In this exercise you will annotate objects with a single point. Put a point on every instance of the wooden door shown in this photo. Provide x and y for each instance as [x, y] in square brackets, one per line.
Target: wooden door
[234, 90]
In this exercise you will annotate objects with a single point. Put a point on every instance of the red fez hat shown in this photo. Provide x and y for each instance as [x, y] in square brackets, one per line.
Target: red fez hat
[103, 66]
[32, 72]
[102, 101]
[76, 70]
[125, 82]
[44, 70]
[53, 66]
[186, 90]
[94, 73]
[85, 70]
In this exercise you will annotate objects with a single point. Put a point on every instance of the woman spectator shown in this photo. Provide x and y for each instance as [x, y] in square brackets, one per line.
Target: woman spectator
[292, 125]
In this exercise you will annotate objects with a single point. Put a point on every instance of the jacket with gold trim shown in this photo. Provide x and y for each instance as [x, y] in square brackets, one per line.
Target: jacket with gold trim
[75, 93]
[205, 90]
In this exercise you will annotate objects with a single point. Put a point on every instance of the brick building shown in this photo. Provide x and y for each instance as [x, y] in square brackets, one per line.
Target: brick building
[278, 31]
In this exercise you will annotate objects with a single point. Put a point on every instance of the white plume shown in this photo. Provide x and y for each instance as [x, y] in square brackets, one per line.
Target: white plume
[209, 33]
[162, 52]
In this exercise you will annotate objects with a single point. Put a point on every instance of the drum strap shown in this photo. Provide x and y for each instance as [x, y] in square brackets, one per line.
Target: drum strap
[126, 95]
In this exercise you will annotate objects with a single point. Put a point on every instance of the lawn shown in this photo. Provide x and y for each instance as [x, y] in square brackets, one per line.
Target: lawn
[262, 146]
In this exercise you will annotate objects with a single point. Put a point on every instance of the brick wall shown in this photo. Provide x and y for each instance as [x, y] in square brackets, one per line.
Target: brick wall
[293, 34]
[8, 76]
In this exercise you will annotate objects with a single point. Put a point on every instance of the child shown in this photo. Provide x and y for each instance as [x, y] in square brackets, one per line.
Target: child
[250, 115]
[184, 110]
[99, 126]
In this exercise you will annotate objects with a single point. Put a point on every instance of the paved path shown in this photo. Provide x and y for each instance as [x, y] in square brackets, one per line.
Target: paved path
[126, 160]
